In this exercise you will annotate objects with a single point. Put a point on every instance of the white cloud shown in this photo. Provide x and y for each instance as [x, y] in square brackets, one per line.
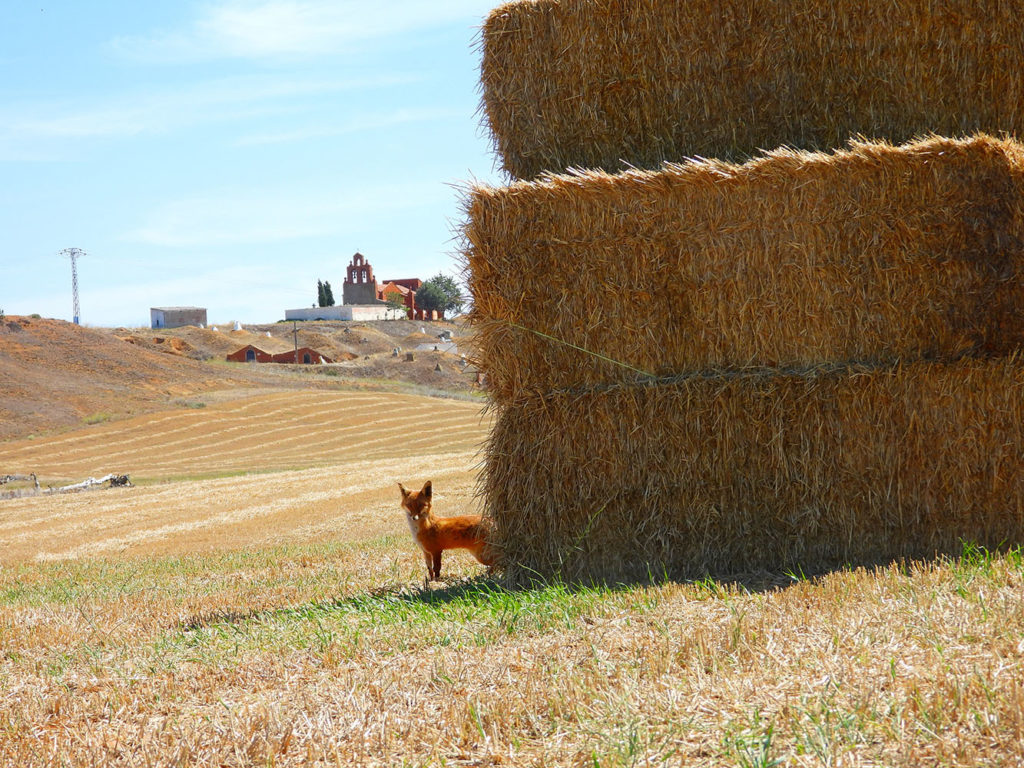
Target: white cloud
[163, 111]
[295, 28]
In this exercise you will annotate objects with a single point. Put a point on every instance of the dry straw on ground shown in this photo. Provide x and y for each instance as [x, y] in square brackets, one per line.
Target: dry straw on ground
[759, 470]
[871, 254]
[320, 655]
[608, 84]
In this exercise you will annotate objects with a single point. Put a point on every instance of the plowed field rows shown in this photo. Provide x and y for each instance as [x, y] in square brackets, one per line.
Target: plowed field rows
[288, 430]
[274, 468]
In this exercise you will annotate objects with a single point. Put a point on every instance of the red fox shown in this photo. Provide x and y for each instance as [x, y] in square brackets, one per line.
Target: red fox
[436, 534]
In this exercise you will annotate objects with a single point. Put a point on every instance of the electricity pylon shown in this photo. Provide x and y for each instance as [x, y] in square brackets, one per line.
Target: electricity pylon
[73, 254]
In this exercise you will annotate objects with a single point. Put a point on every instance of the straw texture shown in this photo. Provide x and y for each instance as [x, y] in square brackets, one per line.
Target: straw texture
[759, 470]
[613, 83]
[870, 254]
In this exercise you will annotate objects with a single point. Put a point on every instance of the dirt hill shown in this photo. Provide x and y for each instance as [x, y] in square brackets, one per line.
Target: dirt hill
[55, 375]
[362, 350]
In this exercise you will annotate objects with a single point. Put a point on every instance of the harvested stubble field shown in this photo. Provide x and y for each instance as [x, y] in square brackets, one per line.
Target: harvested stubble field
[322, 654]
[253, 603]
[260, 469]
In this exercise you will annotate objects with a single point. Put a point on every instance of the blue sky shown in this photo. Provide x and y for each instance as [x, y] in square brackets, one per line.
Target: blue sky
[230, 153]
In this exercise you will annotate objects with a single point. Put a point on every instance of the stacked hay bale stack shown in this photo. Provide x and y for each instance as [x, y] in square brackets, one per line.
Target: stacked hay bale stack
[805, 359]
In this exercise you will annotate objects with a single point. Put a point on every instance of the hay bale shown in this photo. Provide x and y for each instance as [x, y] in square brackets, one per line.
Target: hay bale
[759, 470]
[872, 254]
[609, 84]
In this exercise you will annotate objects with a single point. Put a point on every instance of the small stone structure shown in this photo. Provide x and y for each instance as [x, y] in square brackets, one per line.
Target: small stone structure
[176, 317]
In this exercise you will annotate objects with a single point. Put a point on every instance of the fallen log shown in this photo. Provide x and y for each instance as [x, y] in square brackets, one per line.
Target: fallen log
[115, 480]
[112, 480]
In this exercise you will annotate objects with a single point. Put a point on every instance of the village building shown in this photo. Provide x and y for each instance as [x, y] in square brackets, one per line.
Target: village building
[300, 356]
[250, 354]
[360, 286]
[363, 298]
[176, 317]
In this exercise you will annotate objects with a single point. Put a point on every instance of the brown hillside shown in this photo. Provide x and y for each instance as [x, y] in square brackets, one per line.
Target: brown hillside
[422, 370]
[54, 374]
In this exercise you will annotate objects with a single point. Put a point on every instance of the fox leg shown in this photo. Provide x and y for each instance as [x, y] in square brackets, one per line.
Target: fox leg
[437, 565]
[430, 566]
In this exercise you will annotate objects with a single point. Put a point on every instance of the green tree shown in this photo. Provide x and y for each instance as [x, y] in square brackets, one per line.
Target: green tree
[440, 293]
[396, 303]
[328, 295]
[321, 297]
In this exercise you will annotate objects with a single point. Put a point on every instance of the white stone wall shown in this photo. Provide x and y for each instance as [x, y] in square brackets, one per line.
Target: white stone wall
[340, 312]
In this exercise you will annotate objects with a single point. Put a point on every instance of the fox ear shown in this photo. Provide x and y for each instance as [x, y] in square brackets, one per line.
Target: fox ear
[402, 489]
[426, 489]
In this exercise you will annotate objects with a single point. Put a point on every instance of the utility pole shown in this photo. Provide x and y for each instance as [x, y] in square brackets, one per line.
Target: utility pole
[295, 336]
[73, 254]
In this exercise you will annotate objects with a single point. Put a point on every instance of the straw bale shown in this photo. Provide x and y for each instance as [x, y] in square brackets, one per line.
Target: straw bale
[756, 470]
[611, 84]
[872, 254]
